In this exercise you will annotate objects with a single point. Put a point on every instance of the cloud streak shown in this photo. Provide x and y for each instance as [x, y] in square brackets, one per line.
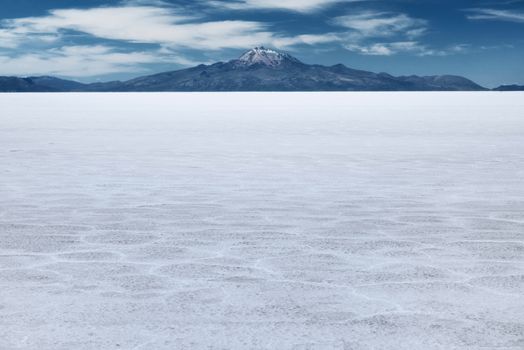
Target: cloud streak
[76, 61]
[384, 33]
[286, 5]
[145, 24]
[496, 15]
[403, 47]
[382, 24]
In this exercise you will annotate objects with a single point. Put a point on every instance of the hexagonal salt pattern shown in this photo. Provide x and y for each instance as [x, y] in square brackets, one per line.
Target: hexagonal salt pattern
[262, 221]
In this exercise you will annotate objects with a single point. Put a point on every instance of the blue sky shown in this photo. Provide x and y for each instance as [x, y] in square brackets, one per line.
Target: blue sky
[92, 40]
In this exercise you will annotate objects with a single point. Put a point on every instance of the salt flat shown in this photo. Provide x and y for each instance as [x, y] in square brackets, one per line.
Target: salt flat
[262, 221]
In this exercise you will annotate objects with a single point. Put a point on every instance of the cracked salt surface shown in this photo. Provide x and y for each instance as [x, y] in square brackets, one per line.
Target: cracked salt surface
[262, 221]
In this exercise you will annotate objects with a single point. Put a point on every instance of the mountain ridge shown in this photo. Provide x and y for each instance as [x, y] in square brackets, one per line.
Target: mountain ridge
[513, 87]
[258, 69]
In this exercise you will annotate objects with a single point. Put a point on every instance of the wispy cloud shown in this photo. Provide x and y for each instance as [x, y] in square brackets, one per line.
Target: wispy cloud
[11, 37]
[288, 5]
[376, 33]
[496, 15]
[409, 47]
[76, 61]
[369, 30]
[381, 24]
[307, 39]
[145, 24]
[8, 39]
[385, 49]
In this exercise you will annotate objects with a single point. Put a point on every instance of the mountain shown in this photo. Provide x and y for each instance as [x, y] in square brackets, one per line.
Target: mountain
[510, 88]
[52, 84]
[262, 69]
[57, 84]
[15, 84]
[443, 82]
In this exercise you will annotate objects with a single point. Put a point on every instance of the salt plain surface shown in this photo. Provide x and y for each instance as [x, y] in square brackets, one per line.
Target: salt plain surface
[262, 221]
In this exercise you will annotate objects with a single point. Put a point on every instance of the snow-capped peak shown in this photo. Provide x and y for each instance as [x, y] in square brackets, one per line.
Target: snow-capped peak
[268, 57]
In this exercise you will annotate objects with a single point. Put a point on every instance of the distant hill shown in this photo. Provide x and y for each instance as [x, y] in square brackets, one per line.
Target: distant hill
[510, 88]
[259, 69]
[15, 84]
[57, 84]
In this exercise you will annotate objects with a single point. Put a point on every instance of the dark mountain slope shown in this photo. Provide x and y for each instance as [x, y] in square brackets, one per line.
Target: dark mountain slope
[14, 84]
[510, 88]
[57, 83]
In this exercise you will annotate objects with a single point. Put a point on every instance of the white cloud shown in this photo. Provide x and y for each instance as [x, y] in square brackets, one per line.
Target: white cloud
[8, 39]
[383, 24]
[370, 29]
[77, 61]
[12, 38]
[146, 3]
[387, 49]
[399, 47]
[289, 5]
[145, 24]
[307, 39]
[497, 15]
